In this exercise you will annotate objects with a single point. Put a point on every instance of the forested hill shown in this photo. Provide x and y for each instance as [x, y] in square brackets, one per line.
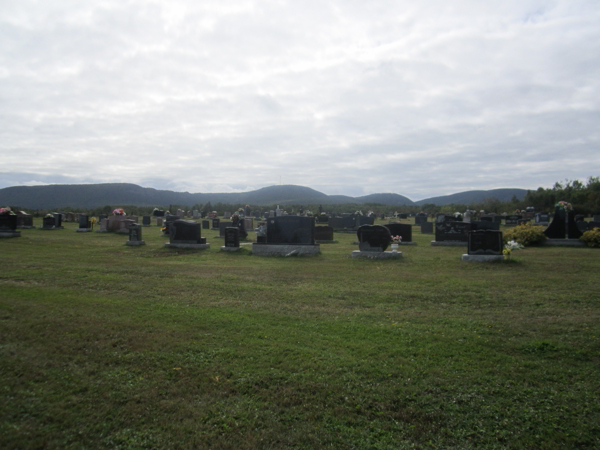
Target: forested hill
[115, 194]
[470, 197]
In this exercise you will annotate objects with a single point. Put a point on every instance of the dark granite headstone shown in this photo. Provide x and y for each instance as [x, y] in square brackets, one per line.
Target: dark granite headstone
[147, 221]
[542, 218]
[48, 222]
[427, 228]
[452, 231]
[324, 233]
[232, 237]
[582, 226]
[84, 221]
[513, 219]
[562, 223]
[441, 218]
[222, 226]
[402, 216]
[344, 222]
[206, 224]
[485, 242]
[57, 220]
[24, 221]
[158, 213]
[215, 222]
[401, 229]
[291, 230]
[373, 238]
[485, 225]
[364, 220]
[420, 218]
[135, 232]
[8, 223]
[185, 232]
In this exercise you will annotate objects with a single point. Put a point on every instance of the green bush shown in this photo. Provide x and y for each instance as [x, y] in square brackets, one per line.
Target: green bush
[525, 234]
[592, 237]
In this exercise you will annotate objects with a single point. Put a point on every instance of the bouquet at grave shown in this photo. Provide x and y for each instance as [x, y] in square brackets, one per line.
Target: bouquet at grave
[6, 211]
[566, 206]
[119, 212]
[48, 215]
[510, 246]
[396, 239]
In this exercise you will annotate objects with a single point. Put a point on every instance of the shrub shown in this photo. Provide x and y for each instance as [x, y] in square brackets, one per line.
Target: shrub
[525, 234]
[592, 237]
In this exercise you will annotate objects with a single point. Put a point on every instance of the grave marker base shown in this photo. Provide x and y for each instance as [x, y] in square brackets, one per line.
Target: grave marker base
[230, 249]
[83, 230]
[135, 243]
[285, 249]
[190, 246]
[10, 234]
[482, 258]
[377, 255]
[449, 244]
[564, 243]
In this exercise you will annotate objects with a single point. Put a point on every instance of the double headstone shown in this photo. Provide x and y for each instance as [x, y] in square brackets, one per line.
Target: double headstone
[452, 231]
[185, 232]
[287, 230]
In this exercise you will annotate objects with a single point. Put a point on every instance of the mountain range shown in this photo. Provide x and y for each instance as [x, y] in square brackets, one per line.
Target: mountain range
[86, 196]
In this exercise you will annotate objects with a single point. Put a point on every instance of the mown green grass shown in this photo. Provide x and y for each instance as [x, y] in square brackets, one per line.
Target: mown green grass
[108, 346]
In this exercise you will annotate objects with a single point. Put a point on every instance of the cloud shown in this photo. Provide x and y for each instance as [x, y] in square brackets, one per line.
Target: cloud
[345, 97]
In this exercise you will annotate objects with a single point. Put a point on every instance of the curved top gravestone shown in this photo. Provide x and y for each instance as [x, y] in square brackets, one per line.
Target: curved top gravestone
[373, 238]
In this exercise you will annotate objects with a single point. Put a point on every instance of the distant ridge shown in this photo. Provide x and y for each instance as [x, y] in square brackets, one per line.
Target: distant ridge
[469, 197]
[59, 196]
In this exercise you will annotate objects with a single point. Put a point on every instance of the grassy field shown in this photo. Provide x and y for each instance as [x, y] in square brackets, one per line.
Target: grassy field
[108, 346]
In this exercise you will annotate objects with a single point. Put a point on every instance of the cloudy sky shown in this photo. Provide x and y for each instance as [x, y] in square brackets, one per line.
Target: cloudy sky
[347, 97]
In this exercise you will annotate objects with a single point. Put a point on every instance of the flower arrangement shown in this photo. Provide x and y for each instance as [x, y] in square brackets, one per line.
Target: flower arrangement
[510, 246]
[6, 211]
[564, 206]
[396, 239]
[119, 212]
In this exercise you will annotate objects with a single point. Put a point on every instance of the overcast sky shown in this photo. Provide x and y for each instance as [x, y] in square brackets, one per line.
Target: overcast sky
[347, 97]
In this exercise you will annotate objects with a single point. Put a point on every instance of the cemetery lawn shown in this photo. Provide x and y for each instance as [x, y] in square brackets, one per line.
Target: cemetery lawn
[108, 346]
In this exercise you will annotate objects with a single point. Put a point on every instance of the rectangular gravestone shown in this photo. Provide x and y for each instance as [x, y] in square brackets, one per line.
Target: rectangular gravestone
[341, 223]
[185, 232]
[57, 220]
[452, 231]
[222, 226]
[206, 224]
[248, 223]
[24, 220]
[147, 221]
[513, 219]
[420, 218]
[295, 230]
[402, 216]
[215, 223]
[364, 220]
[8, 223]
[324, 233]
[401, 229]
[84, 221]
[232, 237]
[135, 235]
[48, 223]
[427, 228]
[485, 242]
